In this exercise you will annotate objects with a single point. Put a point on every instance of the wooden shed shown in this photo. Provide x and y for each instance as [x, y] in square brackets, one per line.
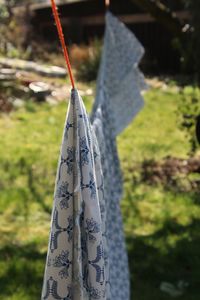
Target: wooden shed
[85, 19]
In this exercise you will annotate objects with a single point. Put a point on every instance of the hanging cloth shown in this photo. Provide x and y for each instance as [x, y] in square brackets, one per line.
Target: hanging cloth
[119, 76]
[75, 265]
[75, 259]
[118, 100]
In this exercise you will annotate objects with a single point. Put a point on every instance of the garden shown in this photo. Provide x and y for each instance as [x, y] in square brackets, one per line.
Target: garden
[160, 162]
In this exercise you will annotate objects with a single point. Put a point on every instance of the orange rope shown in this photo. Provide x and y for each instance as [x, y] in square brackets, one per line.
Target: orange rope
[62, 40]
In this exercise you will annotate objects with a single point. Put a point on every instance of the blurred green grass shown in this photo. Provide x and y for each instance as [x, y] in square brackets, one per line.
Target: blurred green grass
[161, 226]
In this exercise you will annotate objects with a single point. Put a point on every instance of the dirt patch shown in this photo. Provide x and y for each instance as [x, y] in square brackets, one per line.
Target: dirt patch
[5, 105]
[182, 174]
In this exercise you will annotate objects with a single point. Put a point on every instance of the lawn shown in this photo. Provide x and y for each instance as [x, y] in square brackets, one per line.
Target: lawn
[161, 224]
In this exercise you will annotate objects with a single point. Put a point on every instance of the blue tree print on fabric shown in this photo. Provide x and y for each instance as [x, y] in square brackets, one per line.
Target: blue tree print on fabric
[70, 160]
[58, 230]
[99, 271]
[70, 228]
[67, 161]
[91, 228]
[52, 290]
[101, 187]
[63, 261]
[48, 261]
[91, 186]
[68, 126]
[94, 293]
[84, 151]
[84, 247]
[64, 194]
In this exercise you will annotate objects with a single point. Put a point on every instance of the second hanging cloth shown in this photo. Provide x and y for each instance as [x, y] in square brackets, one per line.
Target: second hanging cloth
[118, 100]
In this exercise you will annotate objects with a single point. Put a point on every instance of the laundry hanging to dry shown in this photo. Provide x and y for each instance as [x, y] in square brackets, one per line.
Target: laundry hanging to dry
[117, 102]
[75, 265]
[86, 256]
[75, 260]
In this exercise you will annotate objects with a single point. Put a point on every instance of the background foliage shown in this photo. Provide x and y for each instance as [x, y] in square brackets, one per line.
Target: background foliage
[161, 205]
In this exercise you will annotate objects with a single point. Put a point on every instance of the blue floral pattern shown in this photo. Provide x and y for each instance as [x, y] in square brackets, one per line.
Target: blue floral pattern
[64, 194]
[70, 228]
[75, 267]
[92, 227]
[117, 101]
[84, 151]
[62, 261]
[90, 185]
[56, 231]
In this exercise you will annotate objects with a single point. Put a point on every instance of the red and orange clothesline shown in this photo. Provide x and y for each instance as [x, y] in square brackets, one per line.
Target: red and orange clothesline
[62, 39]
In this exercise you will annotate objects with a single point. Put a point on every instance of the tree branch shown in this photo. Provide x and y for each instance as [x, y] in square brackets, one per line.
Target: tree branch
[162, 14]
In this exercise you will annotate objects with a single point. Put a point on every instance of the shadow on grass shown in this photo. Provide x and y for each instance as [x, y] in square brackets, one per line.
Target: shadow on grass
[171, 254]
[21, 273]
[31, 190]
[153, 260]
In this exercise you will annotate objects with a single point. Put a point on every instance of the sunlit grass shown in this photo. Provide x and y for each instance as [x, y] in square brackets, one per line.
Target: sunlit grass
[161, 225]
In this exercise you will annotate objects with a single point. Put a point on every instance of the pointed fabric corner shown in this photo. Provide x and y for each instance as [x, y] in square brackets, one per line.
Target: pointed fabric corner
[119, 76]
[75, 266]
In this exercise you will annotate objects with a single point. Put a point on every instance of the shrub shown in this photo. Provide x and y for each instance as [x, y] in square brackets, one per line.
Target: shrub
[86, 60]
[189, 112]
